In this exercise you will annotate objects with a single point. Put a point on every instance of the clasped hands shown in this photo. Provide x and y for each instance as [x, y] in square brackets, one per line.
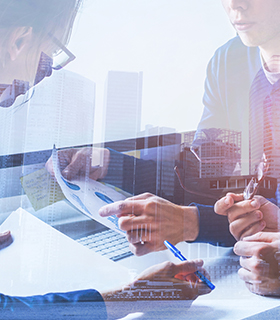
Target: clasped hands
[255, 224]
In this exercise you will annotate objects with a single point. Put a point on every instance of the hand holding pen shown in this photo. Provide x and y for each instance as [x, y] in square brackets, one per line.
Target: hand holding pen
[179, 255]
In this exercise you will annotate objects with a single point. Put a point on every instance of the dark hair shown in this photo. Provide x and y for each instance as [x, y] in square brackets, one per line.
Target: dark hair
[44, 16]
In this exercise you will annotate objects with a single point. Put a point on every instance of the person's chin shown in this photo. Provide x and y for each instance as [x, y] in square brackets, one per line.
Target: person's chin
[248, 41]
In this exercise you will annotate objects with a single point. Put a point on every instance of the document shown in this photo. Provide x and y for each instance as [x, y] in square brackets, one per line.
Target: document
[41, 189]
[88, 195]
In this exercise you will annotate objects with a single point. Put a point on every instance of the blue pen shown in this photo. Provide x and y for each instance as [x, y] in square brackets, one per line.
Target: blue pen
[179, 255]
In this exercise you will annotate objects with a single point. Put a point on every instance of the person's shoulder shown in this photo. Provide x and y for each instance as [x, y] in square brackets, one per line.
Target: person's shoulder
[235, 47]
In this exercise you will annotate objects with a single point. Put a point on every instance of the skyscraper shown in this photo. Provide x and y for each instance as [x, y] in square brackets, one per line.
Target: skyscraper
[122, 105]
[264, 126]
[218, 151]
[61, 112]
[162, 145]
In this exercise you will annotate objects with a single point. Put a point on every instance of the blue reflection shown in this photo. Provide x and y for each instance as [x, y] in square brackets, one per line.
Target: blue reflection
[103, 197]
[71, 185]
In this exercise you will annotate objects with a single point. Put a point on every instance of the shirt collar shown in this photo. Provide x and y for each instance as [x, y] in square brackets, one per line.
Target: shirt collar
[271, 68]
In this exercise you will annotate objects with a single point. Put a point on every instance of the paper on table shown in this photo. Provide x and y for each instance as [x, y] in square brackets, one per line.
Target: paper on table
[42, 259]
[41, 189]
[89, 196]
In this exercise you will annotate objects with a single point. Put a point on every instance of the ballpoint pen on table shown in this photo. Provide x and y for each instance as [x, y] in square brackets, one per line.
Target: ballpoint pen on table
[179, 255]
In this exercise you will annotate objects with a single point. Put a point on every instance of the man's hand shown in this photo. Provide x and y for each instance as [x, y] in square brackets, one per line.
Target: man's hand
[149, 220]
[260, 262]
[163, 277]
[247, 217]
[78, 162]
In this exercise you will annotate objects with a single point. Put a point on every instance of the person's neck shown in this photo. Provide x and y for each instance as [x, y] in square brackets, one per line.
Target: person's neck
[269, 54]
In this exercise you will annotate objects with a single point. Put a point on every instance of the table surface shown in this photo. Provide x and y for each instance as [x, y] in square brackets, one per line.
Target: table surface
[230, 299]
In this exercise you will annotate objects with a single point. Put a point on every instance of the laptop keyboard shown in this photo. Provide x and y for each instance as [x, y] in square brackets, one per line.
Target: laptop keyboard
[108, 243]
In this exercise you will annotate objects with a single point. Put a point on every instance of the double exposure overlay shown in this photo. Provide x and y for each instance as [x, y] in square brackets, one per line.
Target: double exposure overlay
[139, 159]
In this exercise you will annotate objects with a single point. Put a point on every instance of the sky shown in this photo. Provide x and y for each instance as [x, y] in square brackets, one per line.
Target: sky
[171, 41]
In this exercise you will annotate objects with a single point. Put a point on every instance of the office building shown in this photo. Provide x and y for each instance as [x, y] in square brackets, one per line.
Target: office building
[264, 137]
[162, 145]
[208, 190]
[122, 105]
[61, 112]
[265, 132]
[213, 152]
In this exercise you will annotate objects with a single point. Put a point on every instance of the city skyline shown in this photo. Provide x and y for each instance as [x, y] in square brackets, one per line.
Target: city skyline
[170, 41]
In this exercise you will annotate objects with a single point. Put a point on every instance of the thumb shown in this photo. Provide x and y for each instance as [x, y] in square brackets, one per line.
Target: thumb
[263, 237]
[72, 170]
[49, 167]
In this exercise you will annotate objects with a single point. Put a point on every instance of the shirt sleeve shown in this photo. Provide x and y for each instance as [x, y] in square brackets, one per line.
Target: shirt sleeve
[84, 303]
[213, 228]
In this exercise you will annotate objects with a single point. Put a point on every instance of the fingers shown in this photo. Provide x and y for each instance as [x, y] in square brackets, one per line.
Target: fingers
[257, 249]
[71, 171]
[222, 205]
[246, 249]
[142, 242]
[233, 205]
[78, 161]
[187, 267]
[185, 272]
[120, 208]
[258, 245]
[242, 208]
[259, 267]
[256, 283]
[141, 234]
[142, 196]
[49, 167]
[4, 236]
[244, 217]
[64, 157]
[247, 225]
[89, 161]
[259, 276]
[248, 276]
[139, 249]
[264, 237]
[135, 223]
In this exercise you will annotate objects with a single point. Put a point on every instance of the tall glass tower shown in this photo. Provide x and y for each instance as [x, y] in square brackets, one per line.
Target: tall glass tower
[122, 105]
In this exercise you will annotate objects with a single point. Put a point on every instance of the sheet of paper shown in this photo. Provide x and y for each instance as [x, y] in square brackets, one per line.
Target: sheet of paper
[41, 189]
[41, 260]
[88, 195]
